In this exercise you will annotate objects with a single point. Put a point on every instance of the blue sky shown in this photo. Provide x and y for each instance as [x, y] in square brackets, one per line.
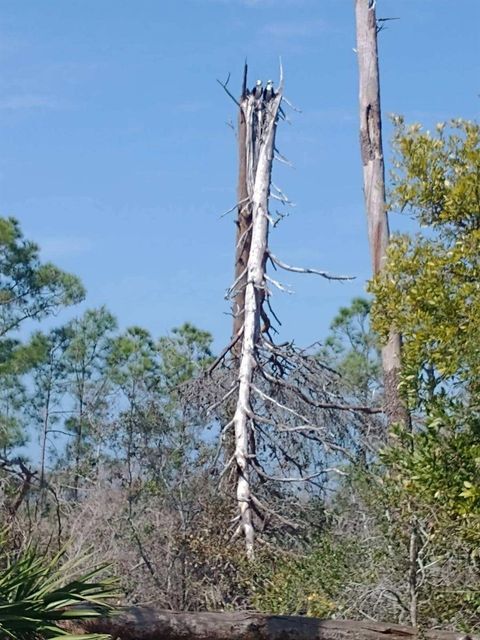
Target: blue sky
[117, 157]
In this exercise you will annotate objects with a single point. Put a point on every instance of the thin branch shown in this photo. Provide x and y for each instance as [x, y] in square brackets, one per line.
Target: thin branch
[321, 405]
[282, 200]
[235, 206]
[281, 83]
[293, 107]
[323, 274]
[281, 158]
[382, 26]
[258, 503]
[224, 87]
[227, 349]
[276, 318]
[231, 288]
[223, 399]
[280, 192]
[243, 237]
[227, 467]
[244, 82]
[219, 450]
[143, 553]
[317, 474]
[278, 284]
[279, 405]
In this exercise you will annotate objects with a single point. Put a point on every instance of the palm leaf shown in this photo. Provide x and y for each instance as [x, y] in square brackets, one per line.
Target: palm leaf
[37, 594]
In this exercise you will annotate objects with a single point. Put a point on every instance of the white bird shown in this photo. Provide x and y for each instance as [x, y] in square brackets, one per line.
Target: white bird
[257, 90]
[269, 93]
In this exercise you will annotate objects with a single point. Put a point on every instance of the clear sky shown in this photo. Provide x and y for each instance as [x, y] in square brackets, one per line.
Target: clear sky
[116, 155]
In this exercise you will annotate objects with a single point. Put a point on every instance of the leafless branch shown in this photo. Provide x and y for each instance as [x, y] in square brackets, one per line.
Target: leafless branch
[235, 206]
[224, 87]
[232, 287]
[306, 478]
[225, 351]
[278, 284]
[293, 107]
[223, 399]
[323, 274]
[281, 158]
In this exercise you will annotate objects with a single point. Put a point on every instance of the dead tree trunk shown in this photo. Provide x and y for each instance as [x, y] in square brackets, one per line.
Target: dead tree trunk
[243, 239]
[275, 392]
[260, 115]
[374, 188]
[147, 624]
[243, 222]
[379, 233]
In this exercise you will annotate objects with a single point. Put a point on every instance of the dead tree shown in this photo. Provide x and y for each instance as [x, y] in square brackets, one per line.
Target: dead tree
[379, 234]
[280, 399]
[260, 115]
[149, 624]
[374, 188]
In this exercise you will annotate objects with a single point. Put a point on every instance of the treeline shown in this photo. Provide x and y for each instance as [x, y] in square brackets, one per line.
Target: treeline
[130, 468]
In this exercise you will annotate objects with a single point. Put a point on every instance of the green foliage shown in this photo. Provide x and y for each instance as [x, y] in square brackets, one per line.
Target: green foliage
[382, 504]
[184, 354]
[29, 290]
[148, 374]
[430, 288]
[16, 361]
[85, 363]
[437, 471]
[37, 595]
[436, 176]
[89, 341]
[308, 584]
[352, 348]
[146, 452]
[28, 287]
[430, 293]
[133, 361]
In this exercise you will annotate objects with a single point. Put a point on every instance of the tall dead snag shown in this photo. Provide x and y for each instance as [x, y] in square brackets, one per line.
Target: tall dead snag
[379, 234]
[260, 115]
[276, 404]
[374, 188]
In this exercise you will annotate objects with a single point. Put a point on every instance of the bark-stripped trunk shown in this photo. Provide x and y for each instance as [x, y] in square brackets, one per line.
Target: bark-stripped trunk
[374, 188]
[143, 623]
[242, 248]
[379, 233]
[260, 118]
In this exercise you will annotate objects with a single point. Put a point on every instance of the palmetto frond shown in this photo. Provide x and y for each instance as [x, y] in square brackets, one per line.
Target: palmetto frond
[36, 594]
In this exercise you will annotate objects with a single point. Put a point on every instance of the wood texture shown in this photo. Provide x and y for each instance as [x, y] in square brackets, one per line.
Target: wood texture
[138, 623]
[243, 235]
[374, 188]
[261, 121]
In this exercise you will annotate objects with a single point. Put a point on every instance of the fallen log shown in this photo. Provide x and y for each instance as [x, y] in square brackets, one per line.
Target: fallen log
[144, 623]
